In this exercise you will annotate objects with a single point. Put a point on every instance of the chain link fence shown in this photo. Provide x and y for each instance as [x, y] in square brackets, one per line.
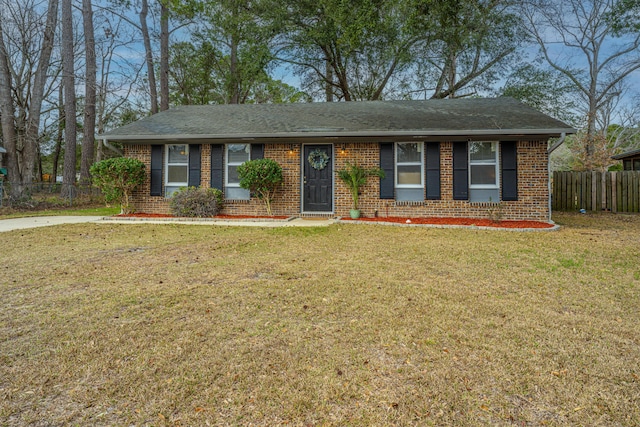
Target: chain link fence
[43, 194]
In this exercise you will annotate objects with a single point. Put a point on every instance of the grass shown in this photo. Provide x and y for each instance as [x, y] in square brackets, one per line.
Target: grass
[108, 324]
[50, 204]
[83, 211]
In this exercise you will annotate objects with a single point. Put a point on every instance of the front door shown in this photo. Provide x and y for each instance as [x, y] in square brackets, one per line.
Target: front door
[317, 187]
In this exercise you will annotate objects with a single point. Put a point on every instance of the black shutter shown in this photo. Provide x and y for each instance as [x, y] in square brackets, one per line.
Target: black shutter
[156, 170]
[217, 164]
[432, 151]
[257, 151]
[386, 164]
[509, 172]
[460, 171]
[194, 165]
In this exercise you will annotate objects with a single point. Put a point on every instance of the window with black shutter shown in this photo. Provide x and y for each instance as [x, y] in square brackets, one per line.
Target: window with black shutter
[194, 165]
[156, 170]
[217, 166]
[387, 165]
[432, 166]
[460, 171]
[509, 172]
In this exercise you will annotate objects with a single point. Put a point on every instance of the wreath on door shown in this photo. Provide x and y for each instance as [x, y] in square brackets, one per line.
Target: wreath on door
[318, 159]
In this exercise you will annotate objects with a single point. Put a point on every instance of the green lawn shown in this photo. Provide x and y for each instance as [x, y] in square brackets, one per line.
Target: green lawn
[108, 324]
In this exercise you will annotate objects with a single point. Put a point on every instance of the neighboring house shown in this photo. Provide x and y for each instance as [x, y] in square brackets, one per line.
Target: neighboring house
[448, 158]
[630, 160]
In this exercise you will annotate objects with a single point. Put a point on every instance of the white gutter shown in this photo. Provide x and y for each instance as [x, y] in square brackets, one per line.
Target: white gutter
[549, 151]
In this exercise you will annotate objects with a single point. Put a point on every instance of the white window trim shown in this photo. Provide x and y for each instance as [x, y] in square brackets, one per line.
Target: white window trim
[228, 163]
[396, 164]
[166, 166]
[495, 163]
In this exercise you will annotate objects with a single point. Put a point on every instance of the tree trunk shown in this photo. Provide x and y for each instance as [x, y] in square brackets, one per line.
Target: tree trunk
[153, 92]
[164, 56]
[328, 88]
[68, 78]
[89, 124]
[233, 71]
[21, 172]
[59, 136]
[7, 117]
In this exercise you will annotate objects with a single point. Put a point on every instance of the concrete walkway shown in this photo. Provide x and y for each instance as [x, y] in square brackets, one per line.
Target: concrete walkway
[44, 221]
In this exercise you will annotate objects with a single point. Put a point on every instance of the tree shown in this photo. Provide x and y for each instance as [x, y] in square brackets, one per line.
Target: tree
[89, 123]
[237, 38]
[471, 41]
[350, 50]
[164, 55]
[117, 178]
[198, 77]
[151, 73]
[68, 82]
[118, 75]
[25, 59]
[599, 51]
[263, 178]
[548, 91]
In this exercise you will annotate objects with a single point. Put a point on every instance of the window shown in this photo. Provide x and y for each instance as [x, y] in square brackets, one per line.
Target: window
[177, 172]
[483, 164]
[409, 171]
[237, 154]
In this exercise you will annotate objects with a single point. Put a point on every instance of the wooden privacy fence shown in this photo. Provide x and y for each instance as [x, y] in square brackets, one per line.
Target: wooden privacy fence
[596, 191]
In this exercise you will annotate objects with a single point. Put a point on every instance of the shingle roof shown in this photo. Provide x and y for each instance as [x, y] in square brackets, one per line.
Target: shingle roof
[367, 119]
[621, 156]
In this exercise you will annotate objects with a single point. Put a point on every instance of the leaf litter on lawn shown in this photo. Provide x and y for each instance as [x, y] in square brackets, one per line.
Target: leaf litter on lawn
[109, 324]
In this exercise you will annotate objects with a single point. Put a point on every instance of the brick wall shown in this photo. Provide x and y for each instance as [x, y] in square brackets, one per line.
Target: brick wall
[532, 200]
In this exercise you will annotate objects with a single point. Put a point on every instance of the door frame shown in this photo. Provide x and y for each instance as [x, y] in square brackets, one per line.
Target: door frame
[333, 179]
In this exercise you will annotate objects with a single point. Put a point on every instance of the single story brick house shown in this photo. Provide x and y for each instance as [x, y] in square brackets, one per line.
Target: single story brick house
[447, 158]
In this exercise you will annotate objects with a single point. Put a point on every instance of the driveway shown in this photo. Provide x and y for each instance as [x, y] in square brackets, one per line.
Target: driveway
[43, 221]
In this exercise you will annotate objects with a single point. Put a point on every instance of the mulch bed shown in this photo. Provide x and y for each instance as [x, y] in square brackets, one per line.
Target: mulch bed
[231, 217]
[398, 220]
[457, 221]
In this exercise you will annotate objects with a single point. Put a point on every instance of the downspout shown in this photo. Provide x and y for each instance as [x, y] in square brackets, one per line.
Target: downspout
[557, 144]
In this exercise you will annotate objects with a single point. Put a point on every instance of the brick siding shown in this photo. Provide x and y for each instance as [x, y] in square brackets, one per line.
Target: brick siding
[532, 203]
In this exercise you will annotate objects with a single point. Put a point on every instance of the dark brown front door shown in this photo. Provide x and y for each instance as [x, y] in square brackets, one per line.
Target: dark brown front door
[317, 187]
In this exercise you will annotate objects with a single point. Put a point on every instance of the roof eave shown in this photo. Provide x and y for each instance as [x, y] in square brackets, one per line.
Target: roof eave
[622, 156]
[464, 134]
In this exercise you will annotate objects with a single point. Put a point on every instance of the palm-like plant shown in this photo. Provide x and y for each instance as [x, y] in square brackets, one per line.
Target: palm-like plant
[355, 176]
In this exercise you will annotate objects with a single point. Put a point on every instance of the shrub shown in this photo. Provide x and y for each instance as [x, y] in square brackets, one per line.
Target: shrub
[262, 177]
[117, 178]
[196, 202]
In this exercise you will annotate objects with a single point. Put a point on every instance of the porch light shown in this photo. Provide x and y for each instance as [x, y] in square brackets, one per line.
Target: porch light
[290, 148]
[341, 148]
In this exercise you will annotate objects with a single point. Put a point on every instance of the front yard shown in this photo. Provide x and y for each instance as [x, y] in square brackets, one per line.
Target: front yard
[111, 324]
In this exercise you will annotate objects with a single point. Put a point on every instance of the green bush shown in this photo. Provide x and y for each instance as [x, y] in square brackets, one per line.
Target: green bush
[196, 202]
[117, 178]
[263, 178]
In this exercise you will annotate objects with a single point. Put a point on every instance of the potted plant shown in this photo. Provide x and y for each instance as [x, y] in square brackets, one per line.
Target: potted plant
[354, 177]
